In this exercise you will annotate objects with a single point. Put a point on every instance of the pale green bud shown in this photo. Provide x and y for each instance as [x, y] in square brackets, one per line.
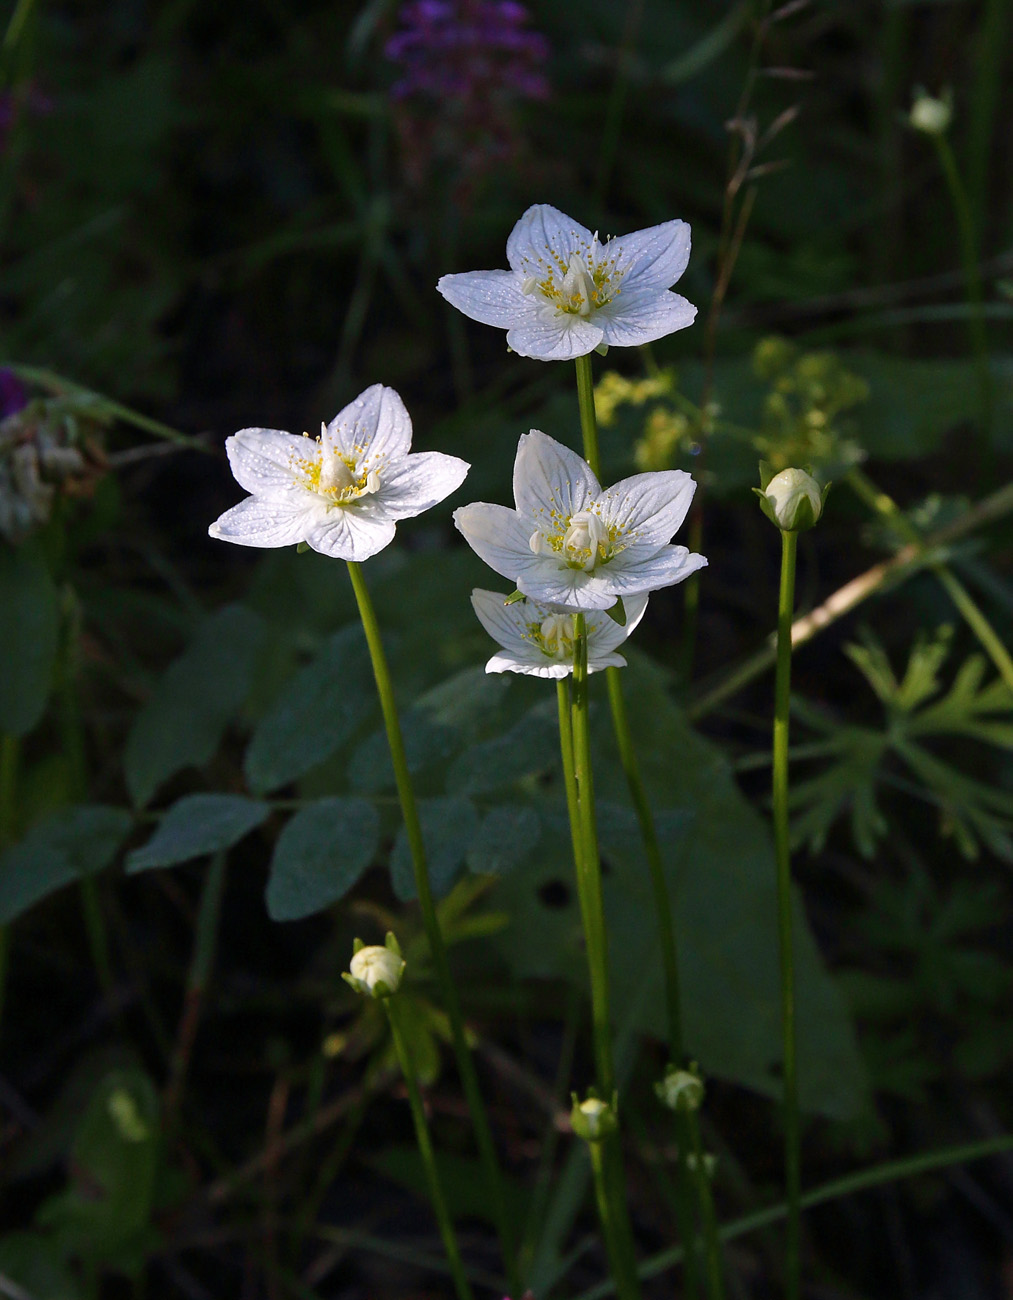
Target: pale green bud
[593, 1119]
[929, 115]
[680, 1089]
[375, 971]
[792, 500]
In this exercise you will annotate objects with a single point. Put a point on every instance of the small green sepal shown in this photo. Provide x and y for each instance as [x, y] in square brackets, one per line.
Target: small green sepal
[514, 597]
[617, 612]
[302, 548]
[602, 349]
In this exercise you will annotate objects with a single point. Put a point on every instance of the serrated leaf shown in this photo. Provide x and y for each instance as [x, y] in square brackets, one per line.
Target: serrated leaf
[67, 845]
[182, 723]
[315, 713]
[449, 827]
[320, 855]
[31, 629]
[508, 834]
[196, 825]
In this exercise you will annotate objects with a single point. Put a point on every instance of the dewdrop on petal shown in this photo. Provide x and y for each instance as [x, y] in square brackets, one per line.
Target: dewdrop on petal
[792, 500]
[375, 971]
[593, 1119]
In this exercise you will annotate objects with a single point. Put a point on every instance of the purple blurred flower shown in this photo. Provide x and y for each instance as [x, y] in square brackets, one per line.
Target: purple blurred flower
[467, 49]
[12, 393]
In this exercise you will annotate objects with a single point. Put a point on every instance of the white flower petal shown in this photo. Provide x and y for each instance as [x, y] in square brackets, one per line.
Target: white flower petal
[373, 429]
[556, 584]
[497, 536]
[492, 297]
[506, 624]
[633, 318]
[556, 337]
[653, 258]
[268, 462]
[506, 662]
[418, 483]
[551, 480]
[543, 240]
[649, 507]
[630, 573]
[352, 532]
[604, 634]
[267, 521]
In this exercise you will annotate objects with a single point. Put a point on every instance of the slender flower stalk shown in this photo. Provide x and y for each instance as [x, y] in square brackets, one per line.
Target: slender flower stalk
[782, 696]
[437, 948]
[395, 1014]
[656, 868]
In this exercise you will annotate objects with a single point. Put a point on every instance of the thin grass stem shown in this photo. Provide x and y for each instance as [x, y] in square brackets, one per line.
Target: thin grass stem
[437, 947]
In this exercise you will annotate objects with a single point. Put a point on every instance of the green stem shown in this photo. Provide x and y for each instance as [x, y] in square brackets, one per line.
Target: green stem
[965, 603]
[891, 1172]
[972, 283]
[437, 947]
[652, 847]
[627, 1286]
[782, 696]
[589, 867]
[715, 1272]
[461, 1284]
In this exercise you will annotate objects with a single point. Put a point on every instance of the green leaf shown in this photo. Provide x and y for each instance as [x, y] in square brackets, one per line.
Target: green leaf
[449, 827]
[31, 632]
[316, 712]
[72, 843]
[720, 871]
[320, 855]
[508, 834]
[113, 1161]
[183, 722]
[198, 824]
[530, 747]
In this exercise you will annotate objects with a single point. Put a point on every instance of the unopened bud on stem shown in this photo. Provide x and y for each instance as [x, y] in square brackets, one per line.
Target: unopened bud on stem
[792, 500]
[375, 971]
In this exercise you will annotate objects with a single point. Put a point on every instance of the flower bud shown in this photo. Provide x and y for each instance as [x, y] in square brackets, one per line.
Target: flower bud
[593, 1119]
[376, 971]
[929, 115]
[681, 1089]
[792, 499]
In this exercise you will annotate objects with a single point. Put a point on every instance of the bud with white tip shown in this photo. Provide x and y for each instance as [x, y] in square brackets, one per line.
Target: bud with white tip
[593, 1119]
[792, 499]
[930, 115]
[681, 1089]
[374, 970]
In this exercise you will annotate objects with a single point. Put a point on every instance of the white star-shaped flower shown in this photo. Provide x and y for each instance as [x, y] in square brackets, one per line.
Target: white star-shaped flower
[341, 493]
[566, 292]
[537, 639]
[571, 542]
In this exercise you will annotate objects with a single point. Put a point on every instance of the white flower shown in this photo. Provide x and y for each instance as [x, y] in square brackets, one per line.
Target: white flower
[931, 115]
[572, 543]
[537, 639]
[376, 971]
[566, 293]
[341, 493]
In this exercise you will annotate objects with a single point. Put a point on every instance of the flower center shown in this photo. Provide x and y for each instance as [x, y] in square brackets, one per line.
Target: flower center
[589, 280]
[338, 477]
[554, 635]
[585, 541]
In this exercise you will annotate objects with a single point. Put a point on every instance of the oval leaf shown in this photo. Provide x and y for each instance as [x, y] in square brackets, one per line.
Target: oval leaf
[31, 618]
[320, 855]
[196, 825]
[448, 828]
